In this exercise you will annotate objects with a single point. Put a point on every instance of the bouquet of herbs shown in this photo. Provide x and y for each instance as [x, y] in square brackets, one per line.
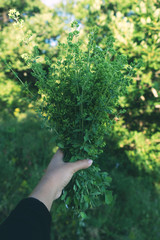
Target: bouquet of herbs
[80, 93]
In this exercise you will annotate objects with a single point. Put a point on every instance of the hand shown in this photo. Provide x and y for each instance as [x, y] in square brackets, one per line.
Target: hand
[60, 173]
[57, 176]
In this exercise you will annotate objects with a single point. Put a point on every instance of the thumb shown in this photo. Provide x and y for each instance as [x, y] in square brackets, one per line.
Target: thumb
[81, 164]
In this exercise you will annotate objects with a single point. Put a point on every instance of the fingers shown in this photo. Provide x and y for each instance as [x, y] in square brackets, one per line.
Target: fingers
[81, 164]
[58, 156]
[59, 153]
[73, 167]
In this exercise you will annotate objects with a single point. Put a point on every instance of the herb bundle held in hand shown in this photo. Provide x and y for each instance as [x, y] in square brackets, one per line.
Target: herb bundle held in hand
[80, 94]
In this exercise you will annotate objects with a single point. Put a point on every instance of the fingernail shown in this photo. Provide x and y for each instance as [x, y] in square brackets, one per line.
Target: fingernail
[90, 161]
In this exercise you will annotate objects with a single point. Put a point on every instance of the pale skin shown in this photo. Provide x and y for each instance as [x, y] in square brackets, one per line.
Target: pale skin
[58, 174]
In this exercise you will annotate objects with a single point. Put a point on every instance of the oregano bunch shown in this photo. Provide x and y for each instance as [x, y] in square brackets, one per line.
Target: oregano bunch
[80, 93]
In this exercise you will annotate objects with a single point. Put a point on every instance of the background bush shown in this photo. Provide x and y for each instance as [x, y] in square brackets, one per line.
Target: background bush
[131, 155]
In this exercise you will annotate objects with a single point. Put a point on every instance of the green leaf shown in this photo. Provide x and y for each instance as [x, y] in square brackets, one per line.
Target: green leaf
[108, 197]
[83, 215]
[67, 200]
[96, 193]
[74, 187]
[86, 148]
[78, 183]
[64, 195]
[86, 198]
[60, 145]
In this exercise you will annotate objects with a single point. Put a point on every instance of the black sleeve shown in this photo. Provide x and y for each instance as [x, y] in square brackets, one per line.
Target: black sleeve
[30, 220]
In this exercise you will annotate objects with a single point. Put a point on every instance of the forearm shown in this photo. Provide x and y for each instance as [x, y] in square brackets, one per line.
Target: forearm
[31, 218]
[45, 191]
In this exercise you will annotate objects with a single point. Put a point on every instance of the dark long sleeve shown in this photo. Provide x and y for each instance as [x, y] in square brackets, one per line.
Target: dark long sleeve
[30, 220]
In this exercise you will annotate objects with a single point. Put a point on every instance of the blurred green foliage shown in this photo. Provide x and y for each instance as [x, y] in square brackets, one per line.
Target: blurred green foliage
[132, 153]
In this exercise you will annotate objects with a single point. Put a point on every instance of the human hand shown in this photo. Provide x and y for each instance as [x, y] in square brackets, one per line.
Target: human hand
[61, 172]
[57, 176]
